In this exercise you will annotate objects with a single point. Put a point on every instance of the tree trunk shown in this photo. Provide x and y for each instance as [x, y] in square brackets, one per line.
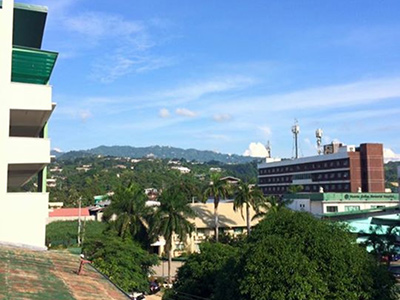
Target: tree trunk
[216, 221]
[169, 265]
[248, 218]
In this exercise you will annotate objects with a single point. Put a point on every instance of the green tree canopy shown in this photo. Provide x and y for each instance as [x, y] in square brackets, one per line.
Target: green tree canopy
[122, 260]
[289, 256]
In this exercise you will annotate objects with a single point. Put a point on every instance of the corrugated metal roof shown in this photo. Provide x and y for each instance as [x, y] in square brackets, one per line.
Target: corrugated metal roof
[69, 212]
[32, 65]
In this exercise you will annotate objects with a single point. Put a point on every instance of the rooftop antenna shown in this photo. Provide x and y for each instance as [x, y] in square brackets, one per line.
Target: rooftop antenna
[318, 135]
[268, 148]
[296, 131]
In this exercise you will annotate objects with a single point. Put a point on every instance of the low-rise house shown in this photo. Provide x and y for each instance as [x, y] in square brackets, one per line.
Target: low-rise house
[51, 182]
[230, 222]
[183, 170]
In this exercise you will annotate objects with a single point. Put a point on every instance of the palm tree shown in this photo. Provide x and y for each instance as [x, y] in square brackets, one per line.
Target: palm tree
[249, 195]
[218, 189]
[171, 218]
[269, 204]
[129, 206]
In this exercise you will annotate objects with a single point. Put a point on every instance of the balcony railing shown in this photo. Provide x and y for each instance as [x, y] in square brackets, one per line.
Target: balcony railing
[32, 65]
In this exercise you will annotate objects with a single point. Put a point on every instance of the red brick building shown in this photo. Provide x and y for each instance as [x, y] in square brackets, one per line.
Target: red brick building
[340, 169]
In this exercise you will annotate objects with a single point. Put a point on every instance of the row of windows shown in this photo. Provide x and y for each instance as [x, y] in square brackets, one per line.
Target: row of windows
[334, 208]
[331, 176]
[342, 163]
[314, 177]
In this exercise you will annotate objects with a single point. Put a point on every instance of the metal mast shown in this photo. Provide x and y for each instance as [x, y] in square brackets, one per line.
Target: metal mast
[296, 131]
[318, 135]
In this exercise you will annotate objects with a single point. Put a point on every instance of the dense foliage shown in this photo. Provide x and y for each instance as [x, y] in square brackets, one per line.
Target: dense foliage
[122, 260]
[63, 234]
[391, 173]
[106, 174]
[289, 256]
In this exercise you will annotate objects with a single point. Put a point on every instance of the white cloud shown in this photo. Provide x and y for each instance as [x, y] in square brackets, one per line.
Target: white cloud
[57, 150]
[222, 117]
[164, 113]
[390, 155]
[256, 150]
[185, 112]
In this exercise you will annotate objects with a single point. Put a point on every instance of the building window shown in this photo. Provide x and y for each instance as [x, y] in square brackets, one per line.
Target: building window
[351, 208]
[331, 209]
[345, 163]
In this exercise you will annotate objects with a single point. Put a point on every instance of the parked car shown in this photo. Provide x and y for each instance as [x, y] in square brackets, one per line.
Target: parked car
[137, 296]
[395, 270]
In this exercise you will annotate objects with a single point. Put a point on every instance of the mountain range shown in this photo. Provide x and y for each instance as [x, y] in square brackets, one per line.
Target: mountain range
[166, 152]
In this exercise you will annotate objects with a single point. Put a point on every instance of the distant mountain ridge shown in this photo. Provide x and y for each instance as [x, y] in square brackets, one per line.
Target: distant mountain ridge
[157, 152]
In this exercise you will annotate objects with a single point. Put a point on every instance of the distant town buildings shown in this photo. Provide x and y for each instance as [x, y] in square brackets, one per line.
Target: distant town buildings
[25, 108]
[340, 169]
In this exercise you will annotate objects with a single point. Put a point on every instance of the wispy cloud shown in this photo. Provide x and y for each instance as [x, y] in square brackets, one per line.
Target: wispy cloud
[222, 117]
[265, 130]
[193, 91]
[185, 112]
[164, 113]
[326, 97]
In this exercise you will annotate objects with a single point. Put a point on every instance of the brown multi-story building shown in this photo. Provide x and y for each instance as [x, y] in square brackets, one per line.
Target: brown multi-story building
[340, 169]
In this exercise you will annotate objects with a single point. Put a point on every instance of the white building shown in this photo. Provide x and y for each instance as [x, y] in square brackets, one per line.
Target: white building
[25, 108]
[183, 170]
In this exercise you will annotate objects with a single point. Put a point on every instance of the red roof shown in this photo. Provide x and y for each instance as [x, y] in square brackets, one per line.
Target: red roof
[69, 212]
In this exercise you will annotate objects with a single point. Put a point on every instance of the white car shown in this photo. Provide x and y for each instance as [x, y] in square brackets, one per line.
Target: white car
[137, 296]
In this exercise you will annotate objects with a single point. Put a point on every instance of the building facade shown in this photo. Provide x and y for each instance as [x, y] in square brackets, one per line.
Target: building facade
[327, 203]
[25, 107]
[340, 169]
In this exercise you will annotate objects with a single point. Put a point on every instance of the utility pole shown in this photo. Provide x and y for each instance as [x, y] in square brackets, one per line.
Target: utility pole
[79, 221]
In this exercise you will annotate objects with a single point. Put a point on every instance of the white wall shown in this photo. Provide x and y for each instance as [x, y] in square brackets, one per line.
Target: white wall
[24, 219]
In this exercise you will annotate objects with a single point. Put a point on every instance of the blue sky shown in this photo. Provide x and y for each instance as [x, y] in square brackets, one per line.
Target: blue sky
[220, 75]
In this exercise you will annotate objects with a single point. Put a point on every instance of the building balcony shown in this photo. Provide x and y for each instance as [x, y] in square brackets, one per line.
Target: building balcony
[30, 65]
[28, 123]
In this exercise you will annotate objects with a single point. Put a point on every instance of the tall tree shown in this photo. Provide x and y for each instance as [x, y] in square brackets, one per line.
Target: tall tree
[218, 189]
[129, 206]
[247, 195]
[170, 218]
